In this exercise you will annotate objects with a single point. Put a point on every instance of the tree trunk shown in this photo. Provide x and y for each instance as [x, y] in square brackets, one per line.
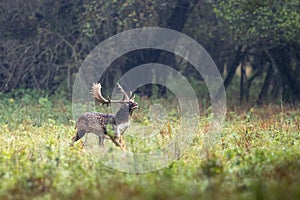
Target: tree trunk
[264, 90]
[239, 56]
[175, 22]
[242, 82]
[289, 72]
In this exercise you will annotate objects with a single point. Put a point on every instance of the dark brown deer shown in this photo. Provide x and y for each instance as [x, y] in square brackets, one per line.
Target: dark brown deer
[104, 126]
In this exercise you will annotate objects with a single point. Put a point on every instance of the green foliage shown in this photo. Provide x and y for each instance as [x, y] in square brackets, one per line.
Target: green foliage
[268, 22]
[35, 107]
[118, 15]
[256, 156]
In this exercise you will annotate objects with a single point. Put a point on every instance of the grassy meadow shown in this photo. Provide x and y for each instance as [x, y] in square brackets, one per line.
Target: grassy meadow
[257, 154]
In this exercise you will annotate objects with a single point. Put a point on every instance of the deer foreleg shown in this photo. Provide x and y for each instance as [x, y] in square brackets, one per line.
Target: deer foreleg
[101, 140]
[122, 141]
[118, 142]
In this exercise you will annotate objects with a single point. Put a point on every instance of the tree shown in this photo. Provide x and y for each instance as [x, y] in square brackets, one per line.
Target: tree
[43, 42]
[270, 28]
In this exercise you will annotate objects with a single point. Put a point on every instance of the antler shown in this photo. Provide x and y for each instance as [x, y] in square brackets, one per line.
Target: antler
[96, 91]
[123, 92]
[132, 96]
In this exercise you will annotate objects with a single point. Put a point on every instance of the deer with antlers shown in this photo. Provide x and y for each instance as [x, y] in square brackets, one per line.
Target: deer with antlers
[104, 126]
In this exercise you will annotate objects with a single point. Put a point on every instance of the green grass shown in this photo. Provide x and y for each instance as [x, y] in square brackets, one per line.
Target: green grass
[256, 156]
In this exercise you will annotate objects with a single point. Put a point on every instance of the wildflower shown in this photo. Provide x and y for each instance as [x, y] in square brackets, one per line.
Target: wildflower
[11, 100]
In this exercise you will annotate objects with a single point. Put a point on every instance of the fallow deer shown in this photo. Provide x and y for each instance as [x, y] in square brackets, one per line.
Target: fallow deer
[104, 126]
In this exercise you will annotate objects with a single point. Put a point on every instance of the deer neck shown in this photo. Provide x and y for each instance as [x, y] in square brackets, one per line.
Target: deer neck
[122, 116]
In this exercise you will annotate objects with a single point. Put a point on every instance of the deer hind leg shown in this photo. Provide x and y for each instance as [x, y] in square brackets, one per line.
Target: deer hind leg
[78, 136]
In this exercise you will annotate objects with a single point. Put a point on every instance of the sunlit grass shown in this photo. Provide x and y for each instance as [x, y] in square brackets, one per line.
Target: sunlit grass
[256, 155]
